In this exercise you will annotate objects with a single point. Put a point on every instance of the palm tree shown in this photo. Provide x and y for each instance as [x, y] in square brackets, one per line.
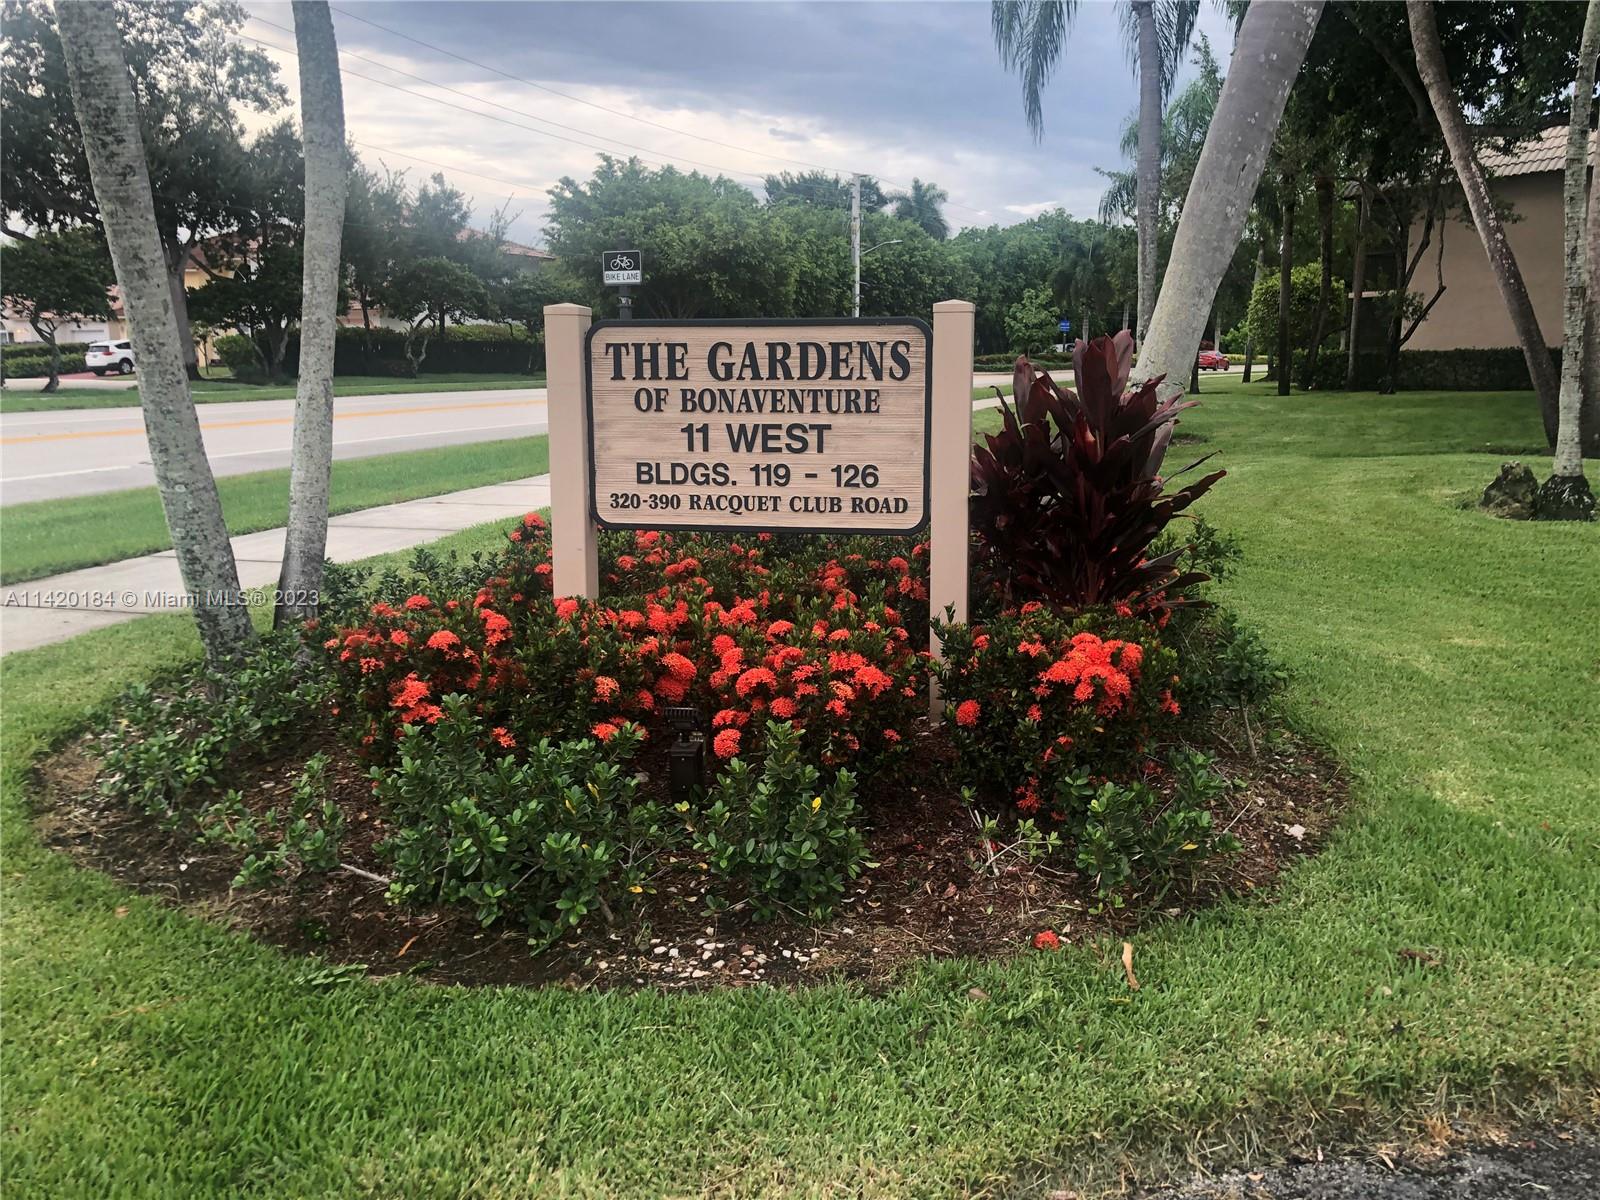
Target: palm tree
[1271, 46]
[1435, 74]
[1566, 494]
[102, 96]
[923, 205]
[327, 185]
[1031, 35]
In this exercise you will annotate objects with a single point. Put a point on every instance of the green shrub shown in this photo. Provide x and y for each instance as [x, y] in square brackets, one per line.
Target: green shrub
[33, 349]
[783, 836]
[37, 364]
[283, 843]
[546, 842]
[1500, 369]
[167, 750]
[463, 349]
[1305, 285]
[238, 353]
[1131, 837]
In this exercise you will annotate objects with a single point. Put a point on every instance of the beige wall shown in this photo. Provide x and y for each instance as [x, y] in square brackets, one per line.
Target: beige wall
[1471, 313]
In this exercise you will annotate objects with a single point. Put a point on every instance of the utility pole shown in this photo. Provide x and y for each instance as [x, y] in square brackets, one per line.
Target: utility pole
[855, 240]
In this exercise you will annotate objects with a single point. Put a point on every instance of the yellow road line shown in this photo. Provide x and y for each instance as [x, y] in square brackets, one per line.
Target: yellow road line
[138, 430]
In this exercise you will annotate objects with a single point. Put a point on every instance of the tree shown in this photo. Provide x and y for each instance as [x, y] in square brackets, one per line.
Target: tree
[922, 206]
[524, 298]
[1032, 323]
[426, 295]
[1031, 35]
[710, 249]
[190, 74]
[1273, 39]
[326, 183]
[109, 120]
[820, 189]
[262, 296]
[57, 277]
[1446, 104]
[372, 240]
[437, 221]
[1566, 494]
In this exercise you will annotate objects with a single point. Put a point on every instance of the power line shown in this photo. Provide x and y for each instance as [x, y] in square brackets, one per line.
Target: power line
[808, 185]
[494, 104]
[614, 111]
[590, 103]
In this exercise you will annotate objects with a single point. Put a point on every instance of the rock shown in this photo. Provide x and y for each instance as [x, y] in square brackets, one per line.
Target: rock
[1565, 498]
[1512, 494]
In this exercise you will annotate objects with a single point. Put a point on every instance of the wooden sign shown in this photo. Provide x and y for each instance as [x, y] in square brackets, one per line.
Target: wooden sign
[809, 426]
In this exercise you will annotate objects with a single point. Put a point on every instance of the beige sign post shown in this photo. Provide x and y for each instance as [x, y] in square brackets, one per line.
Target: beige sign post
[951, 467]
[858, 426]
[575, 561]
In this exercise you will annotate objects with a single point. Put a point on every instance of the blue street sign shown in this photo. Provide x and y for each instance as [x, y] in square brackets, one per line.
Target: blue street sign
[1065, 326]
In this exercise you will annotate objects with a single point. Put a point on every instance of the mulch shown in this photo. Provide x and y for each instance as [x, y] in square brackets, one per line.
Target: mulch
[934, 892]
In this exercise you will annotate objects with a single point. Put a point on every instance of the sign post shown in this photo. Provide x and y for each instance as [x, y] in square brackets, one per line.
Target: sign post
[623, 270]
[949, 539]
[575, 561]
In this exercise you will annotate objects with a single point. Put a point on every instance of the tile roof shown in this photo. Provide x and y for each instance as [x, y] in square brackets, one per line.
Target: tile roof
[1544, 151]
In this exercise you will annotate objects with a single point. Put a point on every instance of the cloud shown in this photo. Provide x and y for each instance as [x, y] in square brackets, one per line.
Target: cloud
[891, 90]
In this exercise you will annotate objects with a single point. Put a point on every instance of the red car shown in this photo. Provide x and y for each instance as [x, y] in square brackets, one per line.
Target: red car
[1210, 360]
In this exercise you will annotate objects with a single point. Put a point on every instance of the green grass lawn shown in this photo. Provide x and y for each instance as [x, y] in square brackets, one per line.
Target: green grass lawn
[1449, 659]
[48, 536]
[218, 391]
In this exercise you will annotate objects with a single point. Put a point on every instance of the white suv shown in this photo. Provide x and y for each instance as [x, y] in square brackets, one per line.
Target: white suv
[109, 356]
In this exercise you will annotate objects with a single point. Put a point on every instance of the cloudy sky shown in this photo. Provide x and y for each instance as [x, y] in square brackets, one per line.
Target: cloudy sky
[896, 90]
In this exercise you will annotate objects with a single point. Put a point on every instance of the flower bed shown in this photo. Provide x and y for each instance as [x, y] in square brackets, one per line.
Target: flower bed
[514, 745]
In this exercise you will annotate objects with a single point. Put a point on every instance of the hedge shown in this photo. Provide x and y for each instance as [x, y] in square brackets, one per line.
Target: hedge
[1501, 369]
[463, 349]
[36, 349]
[460, 348]
[37, 365]
[1004, 362]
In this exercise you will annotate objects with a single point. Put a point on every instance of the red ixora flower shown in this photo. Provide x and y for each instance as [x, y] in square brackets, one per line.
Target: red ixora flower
[967, 713]
[1046, 939]
[444, 640]
[604, 730]
[418, 602]
[501, 735]
[726, 743]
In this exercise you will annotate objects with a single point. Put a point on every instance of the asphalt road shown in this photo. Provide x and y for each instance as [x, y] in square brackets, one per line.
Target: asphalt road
[1556, 1165]
[48, 455]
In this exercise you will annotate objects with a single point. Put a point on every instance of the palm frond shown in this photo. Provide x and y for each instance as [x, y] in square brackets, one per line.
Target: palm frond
[1030, 36]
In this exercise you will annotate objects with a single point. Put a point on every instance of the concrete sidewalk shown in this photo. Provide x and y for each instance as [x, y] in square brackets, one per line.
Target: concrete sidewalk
[63, 606]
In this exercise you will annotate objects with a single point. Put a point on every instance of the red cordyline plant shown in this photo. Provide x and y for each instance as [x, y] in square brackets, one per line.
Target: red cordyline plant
[1068, 496]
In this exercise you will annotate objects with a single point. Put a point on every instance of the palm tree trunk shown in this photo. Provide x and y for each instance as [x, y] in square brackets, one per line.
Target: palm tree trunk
[1249, 332]
[1325, 293]
[311, 462]
[1285, 289]
[103, 99]
[1502, 261]
[1358, 282]
[1566, 493]
[1149, 182]
[1589, 413]
[1273, 40]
